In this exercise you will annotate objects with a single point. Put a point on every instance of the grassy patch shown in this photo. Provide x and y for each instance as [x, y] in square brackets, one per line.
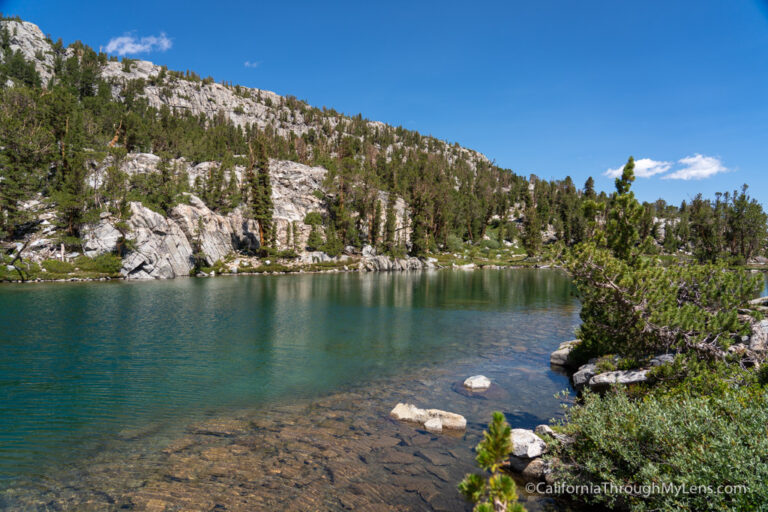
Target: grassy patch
[106, 265]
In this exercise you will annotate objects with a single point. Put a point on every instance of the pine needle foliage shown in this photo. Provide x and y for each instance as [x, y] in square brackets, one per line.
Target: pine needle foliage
[642, 308]
[498, 492]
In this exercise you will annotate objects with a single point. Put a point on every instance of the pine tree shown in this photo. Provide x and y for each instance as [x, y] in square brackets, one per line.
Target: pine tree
[531, 227]
[419, 235]
[233, 196]
[26, 147]
[288, 235]
[389, 226]
[624, 214]
[166, 191]
[745, 225]
[295, 231]
[498, 493]
[589, 188]
[376, 224]
[71, 192]
[198, 256]
[315, 240]
[261, 191]
[333, 244]
[633, 307]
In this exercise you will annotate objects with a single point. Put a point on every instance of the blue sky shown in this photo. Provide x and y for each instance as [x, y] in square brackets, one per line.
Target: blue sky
[548, 87]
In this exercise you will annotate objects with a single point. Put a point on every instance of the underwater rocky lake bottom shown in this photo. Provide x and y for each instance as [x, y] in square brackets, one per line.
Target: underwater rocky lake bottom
[266, 392]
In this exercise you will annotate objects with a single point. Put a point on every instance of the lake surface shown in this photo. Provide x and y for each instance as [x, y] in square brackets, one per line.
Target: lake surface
[104, 386]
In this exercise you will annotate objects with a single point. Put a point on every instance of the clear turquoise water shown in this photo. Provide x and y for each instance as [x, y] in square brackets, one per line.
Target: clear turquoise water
[84, 362]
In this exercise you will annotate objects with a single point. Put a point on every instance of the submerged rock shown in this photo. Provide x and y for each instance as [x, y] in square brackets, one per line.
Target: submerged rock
[409, 412]
[434, 425]
[493, 392]
[450, 420]
[447, 420]
[477, 383]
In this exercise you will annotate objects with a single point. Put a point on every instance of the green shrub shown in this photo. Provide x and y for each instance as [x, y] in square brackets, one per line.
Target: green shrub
[288, 254]
[490, 244]
[58, 267]
[606, 364]
[762, 375]
[627, 363]
[103, 264]
[667, 439]
[272, 267]
[218, 266]
[454, 243]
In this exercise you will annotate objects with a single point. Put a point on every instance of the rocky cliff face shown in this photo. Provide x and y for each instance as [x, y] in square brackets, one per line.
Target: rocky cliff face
[27, 38]
[162, 247]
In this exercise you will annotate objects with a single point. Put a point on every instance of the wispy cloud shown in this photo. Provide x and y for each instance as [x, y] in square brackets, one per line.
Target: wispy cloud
[697, 167]
[129, 45]
[252, 64]
[644, 168]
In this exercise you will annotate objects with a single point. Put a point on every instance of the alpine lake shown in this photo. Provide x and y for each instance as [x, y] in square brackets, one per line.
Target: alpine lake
[269, 392]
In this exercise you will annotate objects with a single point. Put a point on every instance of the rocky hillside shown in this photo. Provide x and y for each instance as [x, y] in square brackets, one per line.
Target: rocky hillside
[92, 147]
[162, 246]
[188, 93]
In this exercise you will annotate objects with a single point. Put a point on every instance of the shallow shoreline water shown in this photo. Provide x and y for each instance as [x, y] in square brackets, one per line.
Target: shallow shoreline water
[336, 448]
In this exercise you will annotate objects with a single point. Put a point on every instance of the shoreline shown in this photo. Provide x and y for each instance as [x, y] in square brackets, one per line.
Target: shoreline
[299, 270]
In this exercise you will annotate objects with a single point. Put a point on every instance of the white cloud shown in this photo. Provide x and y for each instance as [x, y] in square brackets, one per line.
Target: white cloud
[644, 168]
[129, 45]
[251, 64]
[697, 167]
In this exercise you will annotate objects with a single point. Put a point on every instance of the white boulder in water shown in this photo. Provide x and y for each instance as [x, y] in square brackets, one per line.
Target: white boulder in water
[477, 383]
[429, 418]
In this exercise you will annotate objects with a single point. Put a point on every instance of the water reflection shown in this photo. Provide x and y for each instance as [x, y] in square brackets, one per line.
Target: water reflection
[83, 363]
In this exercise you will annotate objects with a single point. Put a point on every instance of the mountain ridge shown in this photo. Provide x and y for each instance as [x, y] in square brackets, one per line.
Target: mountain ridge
[241, 105]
